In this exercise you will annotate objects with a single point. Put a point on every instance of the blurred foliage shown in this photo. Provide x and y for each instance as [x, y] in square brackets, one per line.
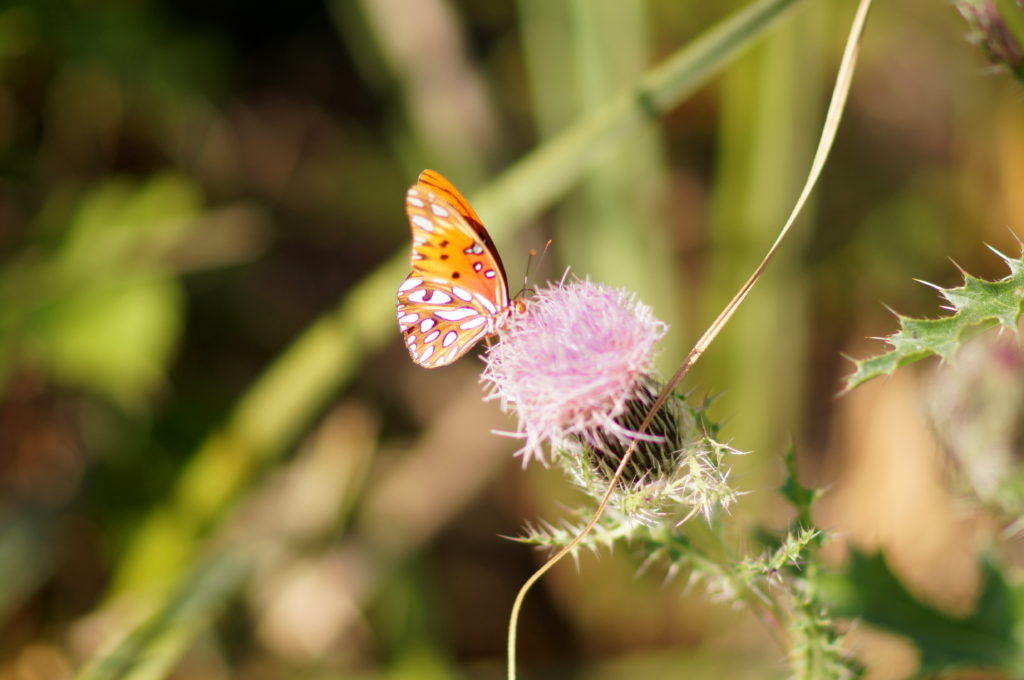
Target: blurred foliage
[103, 283]
[976, 407]
[998, 26]
[188, 189]
[870, 591]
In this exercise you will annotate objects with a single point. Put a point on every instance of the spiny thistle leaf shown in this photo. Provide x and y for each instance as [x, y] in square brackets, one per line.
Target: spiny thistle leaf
[610, 529]
[790, 554]
[800, 496]
[977, 304]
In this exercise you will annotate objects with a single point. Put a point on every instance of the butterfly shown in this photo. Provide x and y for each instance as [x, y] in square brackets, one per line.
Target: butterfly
[457, 292]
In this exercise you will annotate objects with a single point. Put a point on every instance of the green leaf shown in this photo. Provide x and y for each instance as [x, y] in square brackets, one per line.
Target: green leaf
[977, 304]
[115, 339]
[868, 590]
[125, 224]
[800, 496]
[103, 311]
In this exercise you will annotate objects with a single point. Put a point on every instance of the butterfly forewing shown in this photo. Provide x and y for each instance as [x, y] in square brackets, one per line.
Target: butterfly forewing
[457, 292]
[432, 180]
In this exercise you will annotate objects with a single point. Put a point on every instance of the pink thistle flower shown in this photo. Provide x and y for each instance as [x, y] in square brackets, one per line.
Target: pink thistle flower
[571, 364]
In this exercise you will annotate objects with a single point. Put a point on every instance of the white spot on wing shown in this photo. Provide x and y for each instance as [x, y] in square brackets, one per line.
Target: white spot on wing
[462, 294]
[408, 318]
[449, 338]
[409, 284]
[428, 351]
[488, 305]
[433, 336]
[426, 325]
[423, 223]
[437, 297]
[438, 210]
[414, 201]
[489, 273]
[472, 323]
[456, 314]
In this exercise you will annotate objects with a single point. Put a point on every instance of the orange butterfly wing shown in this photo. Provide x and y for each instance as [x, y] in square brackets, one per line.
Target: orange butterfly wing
[457, 292]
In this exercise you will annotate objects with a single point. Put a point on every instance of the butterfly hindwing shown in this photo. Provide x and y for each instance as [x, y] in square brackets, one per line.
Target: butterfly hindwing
[438, 326]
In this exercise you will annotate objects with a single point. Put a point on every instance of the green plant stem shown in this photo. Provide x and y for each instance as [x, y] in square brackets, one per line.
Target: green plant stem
[764, 607]
[151, 650]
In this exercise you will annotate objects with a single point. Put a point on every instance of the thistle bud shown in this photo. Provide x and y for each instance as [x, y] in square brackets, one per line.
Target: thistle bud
[576, 368]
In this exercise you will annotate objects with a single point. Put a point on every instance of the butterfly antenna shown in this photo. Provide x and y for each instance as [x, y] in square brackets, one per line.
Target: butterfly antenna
[529, 261]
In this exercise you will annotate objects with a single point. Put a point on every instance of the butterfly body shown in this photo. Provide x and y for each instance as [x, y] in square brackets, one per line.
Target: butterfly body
[457, 292]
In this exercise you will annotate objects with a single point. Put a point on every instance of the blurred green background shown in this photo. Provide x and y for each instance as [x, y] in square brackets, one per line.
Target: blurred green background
[202, 228]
